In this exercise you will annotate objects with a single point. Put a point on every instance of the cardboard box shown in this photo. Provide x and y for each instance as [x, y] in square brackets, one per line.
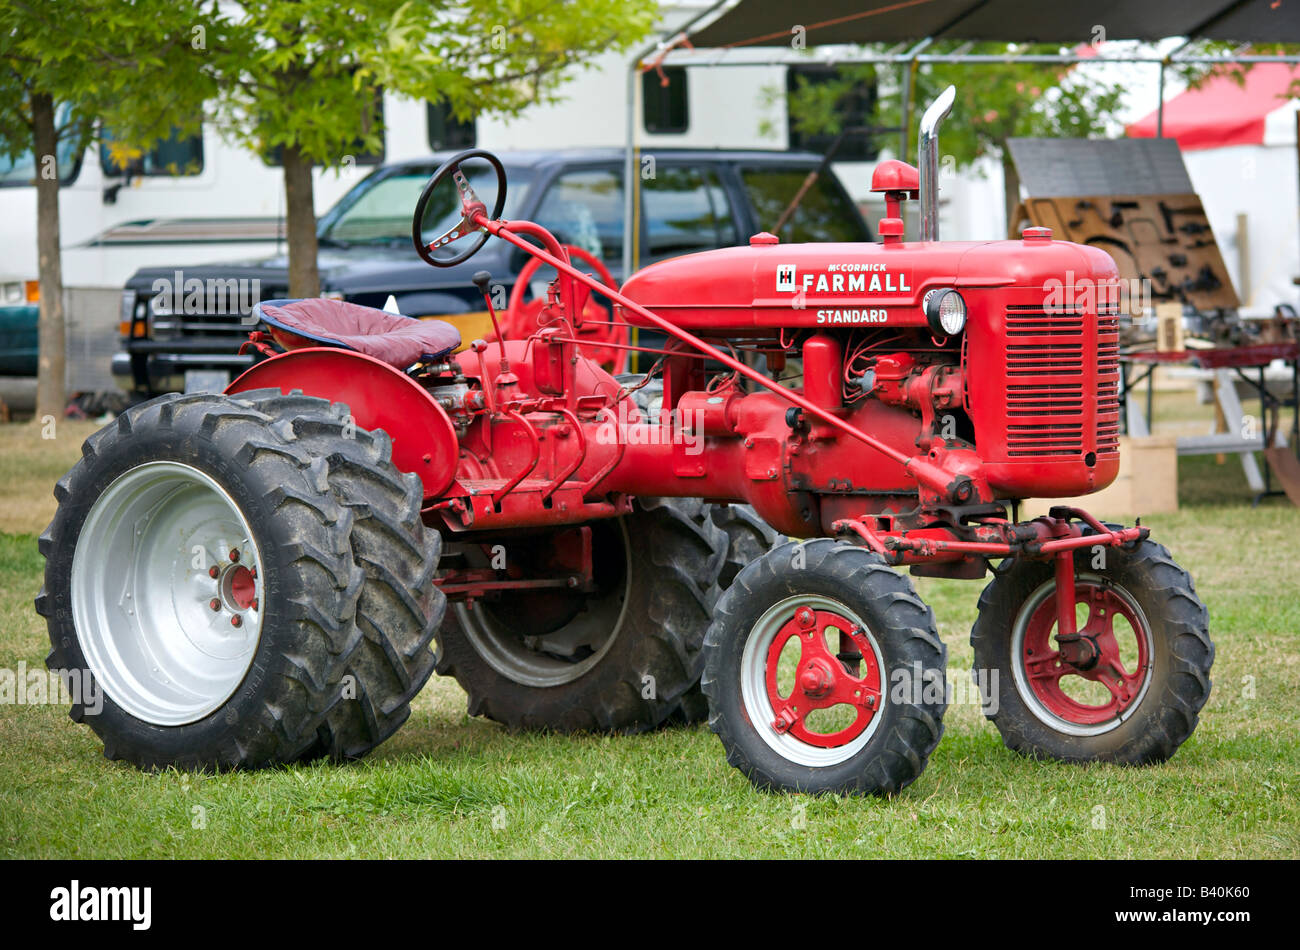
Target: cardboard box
[1147, 483]
[1169, 327]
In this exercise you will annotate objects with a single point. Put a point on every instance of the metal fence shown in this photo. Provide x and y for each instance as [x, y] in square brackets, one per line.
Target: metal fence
[92, 337]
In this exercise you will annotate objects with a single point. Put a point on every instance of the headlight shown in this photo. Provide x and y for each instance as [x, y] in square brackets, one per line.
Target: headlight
[945, 311]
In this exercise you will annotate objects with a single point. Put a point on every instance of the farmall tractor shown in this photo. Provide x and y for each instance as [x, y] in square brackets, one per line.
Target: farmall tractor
[273, 573]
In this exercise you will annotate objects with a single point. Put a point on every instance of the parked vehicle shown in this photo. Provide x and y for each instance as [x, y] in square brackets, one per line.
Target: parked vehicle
[18, 328]
[258, 576]
[191, 320]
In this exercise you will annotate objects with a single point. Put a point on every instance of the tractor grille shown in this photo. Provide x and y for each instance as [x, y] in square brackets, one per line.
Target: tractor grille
[1048, 375]
[1108, 382]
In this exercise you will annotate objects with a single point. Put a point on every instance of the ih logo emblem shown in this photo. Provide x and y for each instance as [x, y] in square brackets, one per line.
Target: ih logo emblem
[785, 277]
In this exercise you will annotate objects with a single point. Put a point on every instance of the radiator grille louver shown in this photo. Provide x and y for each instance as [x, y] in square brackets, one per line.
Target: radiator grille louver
[1047, 362]
[1107, 383]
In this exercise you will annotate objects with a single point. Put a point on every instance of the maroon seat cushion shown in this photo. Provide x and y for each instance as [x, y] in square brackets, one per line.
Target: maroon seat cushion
[397, 340]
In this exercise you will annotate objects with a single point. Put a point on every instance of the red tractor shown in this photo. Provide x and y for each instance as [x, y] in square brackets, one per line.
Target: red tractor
[262, 575]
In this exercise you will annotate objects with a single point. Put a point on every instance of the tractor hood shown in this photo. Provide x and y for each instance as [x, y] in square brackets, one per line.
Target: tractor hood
[768, 285]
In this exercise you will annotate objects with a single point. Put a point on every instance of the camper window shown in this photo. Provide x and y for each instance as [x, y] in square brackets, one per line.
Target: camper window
[665, 102]
[172, 157]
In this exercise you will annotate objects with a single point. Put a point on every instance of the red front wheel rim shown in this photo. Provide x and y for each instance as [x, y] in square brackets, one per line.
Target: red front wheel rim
[823, 680]
[1043, 673]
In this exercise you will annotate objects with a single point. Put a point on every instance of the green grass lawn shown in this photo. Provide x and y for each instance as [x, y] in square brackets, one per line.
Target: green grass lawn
[450, 786]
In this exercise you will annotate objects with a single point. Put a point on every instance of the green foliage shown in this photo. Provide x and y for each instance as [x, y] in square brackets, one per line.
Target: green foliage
[995, 101]
[306, 73]
[129, 64]
[298, 75]
[998, 100]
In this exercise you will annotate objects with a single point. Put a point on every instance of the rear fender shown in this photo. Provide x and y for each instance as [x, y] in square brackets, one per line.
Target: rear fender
[379, 397]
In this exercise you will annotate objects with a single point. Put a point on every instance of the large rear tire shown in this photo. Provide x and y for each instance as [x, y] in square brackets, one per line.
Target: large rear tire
[400, 608]
[619, 659]
[198, 570]
[749, 537]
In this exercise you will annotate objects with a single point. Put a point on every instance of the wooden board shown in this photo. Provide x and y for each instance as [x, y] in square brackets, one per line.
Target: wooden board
[1287, 469]
[1165, 239]
[1169, 327]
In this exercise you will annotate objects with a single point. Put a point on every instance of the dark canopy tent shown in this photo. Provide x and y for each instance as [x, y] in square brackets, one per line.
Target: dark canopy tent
[769, 22]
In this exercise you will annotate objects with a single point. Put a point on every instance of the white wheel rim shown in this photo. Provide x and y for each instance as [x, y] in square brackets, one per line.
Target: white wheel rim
[503, 649]
[753, 684]
[1027, 694]
[143, 593]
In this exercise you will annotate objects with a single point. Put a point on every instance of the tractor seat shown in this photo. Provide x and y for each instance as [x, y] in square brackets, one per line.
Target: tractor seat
[397, 340]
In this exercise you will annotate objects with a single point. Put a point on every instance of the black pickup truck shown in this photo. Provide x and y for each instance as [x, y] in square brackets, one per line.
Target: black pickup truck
[183, 327]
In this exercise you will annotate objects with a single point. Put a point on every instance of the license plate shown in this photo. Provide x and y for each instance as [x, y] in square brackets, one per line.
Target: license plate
[206, 380]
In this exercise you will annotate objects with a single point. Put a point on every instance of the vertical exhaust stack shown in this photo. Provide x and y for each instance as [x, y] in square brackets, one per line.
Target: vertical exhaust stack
[928, 162]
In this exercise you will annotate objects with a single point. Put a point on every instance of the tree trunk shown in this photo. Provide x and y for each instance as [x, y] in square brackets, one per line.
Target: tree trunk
[1010, 188]
[304, 277]
[51, 383]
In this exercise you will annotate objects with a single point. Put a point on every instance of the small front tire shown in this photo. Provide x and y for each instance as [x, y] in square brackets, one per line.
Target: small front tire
[1156, 642]
[860, 716]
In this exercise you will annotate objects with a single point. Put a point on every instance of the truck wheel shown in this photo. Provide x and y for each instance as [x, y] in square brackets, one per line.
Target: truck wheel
[618, 659]
[1139, 700]
[400, 608]
[824, 672]
[198, 569]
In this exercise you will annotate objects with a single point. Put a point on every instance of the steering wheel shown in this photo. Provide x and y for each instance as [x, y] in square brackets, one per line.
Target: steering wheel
[597, 325]
[470, 205]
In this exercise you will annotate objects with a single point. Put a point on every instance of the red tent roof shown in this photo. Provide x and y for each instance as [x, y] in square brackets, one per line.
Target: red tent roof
[1221, 112]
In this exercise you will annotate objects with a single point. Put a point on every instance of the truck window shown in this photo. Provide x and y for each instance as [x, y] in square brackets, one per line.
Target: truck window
[378, 209]
[584, 208]
[824, 214]
[686, 210]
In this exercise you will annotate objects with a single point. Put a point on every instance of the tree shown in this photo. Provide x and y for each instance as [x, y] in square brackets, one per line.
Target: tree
[998, 100]
[303, 76]
[995, 102]
[68, 69]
